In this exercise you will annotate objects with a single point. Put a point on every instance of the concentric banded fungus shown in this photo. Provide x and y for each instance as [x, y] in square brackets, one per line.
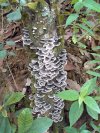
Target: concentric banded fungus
[48, 69]
[50, 79]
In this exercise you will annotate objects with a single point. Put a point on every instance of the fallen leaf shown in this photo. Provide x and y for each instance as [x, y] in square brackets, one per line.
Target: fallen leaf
[69, 66]
[73, 85]
[75, 58]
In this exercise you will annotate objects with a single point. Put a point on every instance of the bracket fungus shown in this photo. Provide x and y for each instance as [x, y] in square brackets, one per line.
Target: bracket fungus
[48, 68]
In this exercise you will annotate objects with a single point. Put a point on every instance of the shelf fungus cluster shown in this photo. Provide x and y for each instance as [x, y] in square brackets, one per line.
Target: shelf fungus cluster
[48, 70]
[50, 77]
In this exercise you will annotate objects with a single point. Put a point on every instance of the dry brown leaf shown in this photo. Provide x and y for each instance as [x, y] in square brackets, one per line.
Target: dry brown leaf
[73, 85]
[75, 58]
[69, 66]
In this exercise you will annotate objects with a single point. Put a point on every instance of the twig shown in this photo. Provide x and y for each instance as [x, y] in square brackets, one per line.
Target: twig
[12, 76]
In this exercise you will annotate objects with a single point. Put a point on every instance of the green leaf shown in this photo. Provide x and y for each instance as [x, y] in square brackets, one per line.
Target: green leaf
[32, 5]
[14, 16]
[22, 2]
[93, 73]
[75, 112]
[97, 98]
[88, 87]
[5, 4]
[81, 45]
[94, 61]
[1, 46]
[95, 127]
[5, 126]
[83, 127]
[96, 48]
[2, 1]
[91, 103]
[98, 67]
[91, 4]
[71, 18]
[4, 113]
[40, 125]
[78, 6]
[84, 27]
[92, 113]
[74, 1]
[80, 100]
[71, 130]
[13, 128]
[14, 98]
[10, 43]
[25, 120]
[3, 54]
[74, 39]
[94, 54]
[85, 131]
[19, 111]
[70, 95]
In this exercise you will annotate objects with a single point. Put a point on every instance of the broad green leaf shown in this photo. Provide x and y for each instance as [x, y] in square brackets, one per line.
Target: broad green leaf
[40, 125]
[88, 87]
[81, 45]
[94, 61]
[84, 27]
[71, 18]
[94, 54]
[85, 131]
[91, 4]
[10, 43]
[3, 54]
[19, 111]
[70, 95]
[71, 130]
[4, 4]
[4, 113]
[2, 1]
[5, 126]
[78, 6]
[22, 2]
[14, 98]
[14, 16]
[98, 67]
[25, 120]
[97, 98]
[80, 100]
[74, 39]
[93, 73]
[92, 113]
[92, 104]
[83, 127]
[32, 5]
[1, 46]
[95, 127]
[74, 1]
[13, 128]
[75, 112]
[96, 48]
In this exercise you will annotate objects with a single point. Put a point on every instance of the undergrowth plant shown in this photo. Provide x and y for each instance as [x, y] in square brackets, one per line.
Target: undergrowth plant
[80, 99]
[20, 121]
[85, 24]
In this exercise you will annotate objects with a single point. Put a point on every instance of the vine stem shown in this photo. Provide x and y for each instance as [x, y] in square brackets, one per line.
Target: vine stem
[12, 76]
